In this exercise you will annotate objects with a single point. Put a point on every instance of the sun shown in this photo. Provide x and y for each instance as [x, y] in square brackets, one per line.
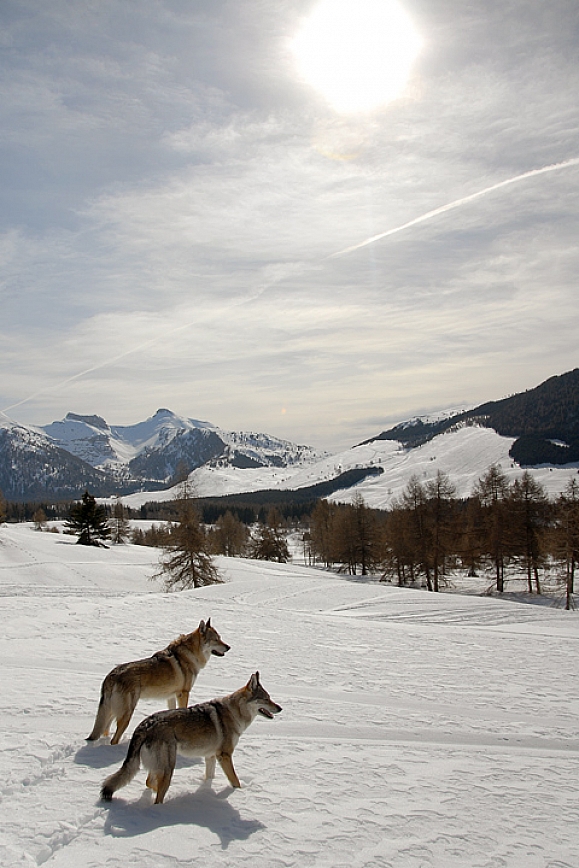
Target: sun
[357, 53]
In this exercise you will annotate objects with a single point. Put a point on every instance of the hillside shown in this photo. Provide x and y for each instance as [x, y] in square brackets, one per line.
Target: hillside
[414, 732]
[537, 429]
[464, 453]
[544, 422]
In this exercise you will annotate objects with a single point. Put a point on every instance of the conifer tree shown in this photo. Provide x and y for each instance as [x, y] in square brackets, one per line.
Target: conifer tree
[492, 494]
[322, 531]
[566, 536]
[269, 542]
[440, 520]
[89, 520]
[186, 562]
[528, 509]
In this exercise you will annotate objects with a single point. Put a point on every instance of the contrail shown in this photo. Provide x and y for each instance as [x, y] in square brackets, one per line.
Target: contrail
[554, 167]
[110, 361]
[98, 367]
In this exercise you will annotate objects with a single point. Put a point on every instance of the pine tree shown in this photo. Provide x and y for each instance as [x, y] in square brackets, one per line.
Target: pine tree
[413, 501]
[440, 520]
[566, 536]
[89, 520]
[322, 532]
[186, 562]
[529, 512]
[269, 543]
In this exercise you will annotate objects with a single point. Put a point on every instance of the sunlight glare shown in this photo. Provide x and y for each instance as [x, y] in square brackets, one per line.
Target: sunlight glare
[357, 53]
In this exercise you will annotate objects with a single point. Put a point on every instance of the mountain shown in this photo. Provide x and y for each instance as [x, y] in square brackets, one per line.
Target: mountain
[58, 461]
[33, 467]
[543, 421]
[538, 428]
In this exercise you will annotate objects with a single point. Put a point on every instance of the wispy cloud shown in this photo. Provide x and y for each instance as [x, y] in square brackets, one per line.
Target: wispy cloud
[185, 223]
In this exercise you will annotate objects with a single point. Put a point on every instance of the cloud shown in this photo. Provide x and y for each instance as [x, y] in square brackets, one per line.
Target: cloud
[173, 195]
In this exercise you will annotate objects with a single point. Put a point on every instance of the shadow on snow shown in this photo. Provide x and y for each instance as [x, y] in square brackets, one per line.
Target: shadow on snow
[204, 807]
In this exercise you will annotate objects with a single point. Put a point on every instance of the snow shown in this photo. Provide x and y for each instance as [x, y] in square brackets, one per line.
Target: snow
[464, 453]
[417, 731]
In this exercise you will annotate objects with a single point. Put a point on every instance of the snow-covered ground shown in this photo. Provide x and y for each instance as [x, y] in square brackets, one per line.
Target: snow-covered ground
[417, 730]
[464, 454]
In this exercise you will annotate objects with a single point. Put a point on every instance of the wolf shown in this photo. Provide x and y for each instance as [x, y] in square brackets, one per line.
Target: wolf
[168, 674]
[211, 730]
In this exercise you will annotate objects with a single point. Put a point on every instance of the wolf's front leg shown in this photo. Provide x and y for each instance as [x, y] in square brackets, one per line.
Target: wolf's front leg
[209, 767]
[226, 764]
[182, 698]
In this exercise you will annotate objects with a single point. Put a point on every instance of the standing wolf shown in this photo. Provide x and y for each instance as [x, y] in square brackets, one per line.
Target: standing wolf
[168, 674]
[211, 730]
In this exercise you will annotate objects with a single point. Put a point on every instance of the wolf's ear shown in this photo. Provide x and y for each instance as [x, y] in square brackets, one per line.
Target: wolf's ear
[254, 681]
[208, 624]
[202, 626]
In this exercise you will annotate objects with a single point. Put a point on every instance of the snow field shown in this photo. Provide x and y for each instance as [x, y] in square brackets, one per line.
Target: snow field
[417, 731]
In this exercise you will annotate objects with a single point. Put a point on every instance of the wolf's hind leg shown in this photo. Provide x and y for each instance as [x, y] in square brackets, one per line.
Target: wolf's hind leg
[102, 722]
[124, 718]
[172, 703]
[163, 782]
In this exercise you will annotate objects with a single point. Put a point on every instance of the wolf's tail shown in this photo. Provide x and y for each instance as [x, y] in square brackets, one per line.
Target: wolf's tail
[129, 768]
[103, 716]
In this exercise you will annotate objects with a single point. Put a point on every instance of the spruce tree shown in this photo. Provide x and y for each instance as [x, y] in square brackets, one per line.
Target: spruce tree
[89, 520]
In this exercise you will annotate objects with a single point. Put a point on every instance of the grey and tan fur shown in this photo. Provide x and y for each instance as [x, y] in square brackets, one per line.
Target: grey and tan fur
[168, 674]
[211, 730]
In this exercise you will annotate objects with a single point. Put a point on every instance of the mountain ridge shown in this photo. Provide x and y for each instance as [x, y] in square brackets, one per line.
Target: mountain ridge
[59, 460]
[544, 422]
[535, 428]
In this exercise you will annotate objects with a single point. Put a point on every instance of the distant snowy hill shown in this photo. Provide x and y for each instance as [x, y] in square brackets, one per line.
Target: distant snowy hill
[464, 453]
[543, 422]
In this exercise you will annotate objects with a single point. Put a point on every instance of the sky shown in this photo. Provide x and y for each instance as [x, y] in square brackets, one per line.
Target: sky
[187, 220]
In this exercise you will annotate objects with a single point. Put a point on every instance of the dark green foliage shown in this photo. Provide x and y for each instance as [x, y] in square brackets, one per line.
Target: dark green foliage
[255, 505]
[533, 449]
[89, 520]
[268, 542]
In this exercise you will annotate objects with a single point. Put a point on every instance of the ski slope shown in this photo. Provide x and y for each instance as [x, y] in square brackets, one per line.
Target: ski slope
[417, 731]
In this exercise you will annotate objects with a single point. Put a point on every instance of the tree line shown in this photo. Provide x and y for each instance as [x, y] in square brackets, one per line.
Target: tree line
[509, 529]
[428, 533]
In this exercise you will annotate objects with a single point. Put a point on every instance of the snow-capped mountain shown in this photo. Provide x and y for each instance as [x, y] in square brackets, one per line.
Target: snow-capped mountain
[34, 467]
[61, 459]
